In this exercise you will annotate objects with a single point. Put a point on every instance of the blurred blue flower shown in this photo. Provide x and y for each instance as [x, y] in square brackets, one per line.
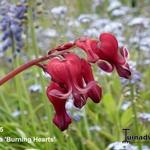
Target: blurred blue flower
[125, 146]
[59, 11]
[125, 105]
[11, 25]
[35, 88]
[144, 117]
[76, 117]
[135, 78]
[120, 145]
[95, 128]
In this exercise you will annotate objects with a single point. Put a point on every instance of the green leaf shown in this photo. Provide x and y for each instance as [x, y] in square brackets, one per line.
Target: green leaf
[110, 106]
[126, 117]
[91, 145]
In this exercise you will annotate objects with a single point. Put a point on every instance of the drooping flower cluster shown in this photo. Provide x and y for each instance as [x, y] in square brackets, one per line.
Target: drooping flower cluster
[106, 53]
[72, 75]
[11, 26]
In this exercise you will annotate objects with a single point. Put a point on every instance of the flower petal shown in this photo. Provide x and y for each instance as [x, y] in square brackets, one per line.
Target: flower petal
[108, 45]
[59, 94]
[105, 65]
[74, 66]
[79, 100]
[124, 52]
[61, 118]
[87, 71]
[95, 93]
[85, 44]
[85, 89]
[107, 37]
[62, 121]
[123, 71]
[58, 70]
[122, 56]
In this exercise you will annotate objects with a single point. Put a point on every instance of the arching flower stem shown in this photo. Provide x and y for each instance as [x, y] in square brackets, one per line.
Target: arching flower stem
[29, 64]
[22, 68]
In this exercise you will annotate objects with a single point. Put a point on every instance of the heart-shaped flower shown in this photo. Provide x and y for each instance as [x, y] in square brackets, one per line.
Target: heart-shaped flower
[106, 54]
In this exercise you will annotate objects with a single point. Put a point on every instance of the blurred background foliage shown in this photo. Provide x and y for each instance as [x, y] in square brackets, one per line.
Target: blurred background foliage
[24, 108]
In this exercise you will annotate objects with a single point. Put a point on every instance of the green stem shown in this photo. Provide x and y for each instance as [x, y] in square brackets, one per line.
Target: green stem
[27, 97]
[20, 101]
[135, 114]
[86, 125]
[34, 47]
[17, 81]
[5, 103]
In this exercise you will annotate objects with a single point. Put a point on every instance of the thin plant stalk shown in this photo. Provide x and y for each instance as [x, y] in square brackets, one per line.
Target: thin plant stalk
[135, 114]
[34, 46]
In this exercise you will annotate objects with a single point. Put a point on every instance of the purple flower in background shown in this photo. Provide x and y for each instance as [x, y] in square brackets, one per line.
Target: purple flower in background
[144, 117]
[20, 10]
[135, 78]
[11, 25]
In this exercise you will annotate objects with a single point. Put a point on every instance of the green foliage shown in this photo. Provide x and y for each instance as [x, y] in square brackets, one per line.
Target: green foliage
[35, 111]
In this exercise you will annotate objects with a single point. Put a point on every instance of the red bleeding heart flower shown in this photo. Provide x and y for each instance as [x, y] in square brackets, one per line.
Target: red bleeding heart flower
[95, 92]
[61, 118]
[106, 53]
[85, 43]
[71, 76]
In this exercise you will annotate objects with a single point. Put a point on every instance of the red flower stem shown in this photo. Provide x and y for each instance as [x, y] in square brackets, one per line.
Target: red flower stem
[30, 64]
[22, 68]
